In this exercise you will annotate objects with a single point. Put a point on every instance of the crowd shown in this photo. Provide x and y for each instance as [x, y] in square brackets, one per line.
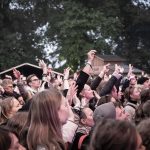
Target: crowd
[75, 112]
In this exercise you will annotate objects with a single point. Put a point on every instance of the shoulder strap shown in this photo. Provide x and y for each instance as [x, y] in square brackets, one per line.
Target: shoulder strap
[81, 141]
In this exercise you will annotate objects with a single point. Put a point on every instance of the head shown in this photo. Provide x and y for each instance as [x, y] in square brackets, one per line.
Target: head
[104, 99]
[44, 119]
[86, 117]
[114, 93]
[144, 130]
[87, 92]
[143, 112]
[10, 106]
[145, 95]
[7, 85]
[144, 81]
[120, 112]
[133, 80]
[115, 135]
[9, 141]
[16, 123]
[33, 81]
[133, 93]
[146, 109]
[109, 110]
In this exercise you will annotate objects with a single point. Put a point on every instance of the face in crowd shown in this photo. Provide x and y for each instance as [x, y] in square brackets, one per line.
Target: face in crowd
[33, 81]
[7, 85]
[87, 92]
[135, 93]
[9, 141]
[87, 117]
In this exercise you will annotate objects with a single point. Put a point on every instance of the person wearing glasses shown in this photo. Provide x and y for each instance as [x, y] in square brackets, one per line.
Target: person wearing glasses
[33, 83]
[8, 91]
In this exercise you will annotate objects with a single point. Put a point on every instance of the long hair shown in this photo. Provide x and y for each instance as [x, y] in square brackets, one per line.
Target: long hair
[44, 127]
[5, 140]
[114, 135]
[144, 130]
[6, 106]
[143, 112]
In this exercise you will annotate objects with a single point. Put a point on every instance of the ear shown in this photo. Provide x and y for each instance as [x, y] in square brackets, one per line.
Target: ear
[82, 93]
[83, 121]
[30, 83]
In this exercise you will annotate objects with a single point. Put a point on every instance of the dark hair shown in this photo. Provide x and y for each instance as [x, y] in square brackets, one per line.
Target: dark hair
[145, 95]
[104, 99]
[5, 139]
[128, 92]
[114, 135]
[16, 123]
[29, 78]
[142, 112]
[82, 114]
[144, 130]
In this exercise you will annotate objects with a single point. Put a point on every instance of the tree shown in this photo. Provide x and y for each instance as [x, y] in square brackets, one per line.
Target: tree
[18, 40]
[81, 27]
[73, 27]
[135, 45]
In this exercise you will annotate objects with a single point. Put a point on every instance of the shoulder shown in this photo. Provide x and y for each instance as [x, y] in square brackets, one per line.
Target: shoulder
[41, 147]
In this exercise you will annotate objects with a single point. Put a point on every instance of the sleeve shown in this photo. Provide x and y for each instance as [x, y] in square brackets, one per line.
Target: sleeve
[81, 80]
[95, 83]
[68, 131]
[108, 87]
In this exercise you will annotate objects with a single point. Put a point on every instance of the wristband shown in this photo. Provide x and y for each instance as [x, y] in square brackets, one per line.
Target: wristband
[65, 79]
[44, 75]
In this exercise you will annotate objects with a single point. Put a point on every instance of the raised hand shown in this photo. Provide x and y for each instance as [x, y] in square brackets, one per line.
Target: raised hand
[43, 65]
[121, 69]
[16, 73]
[91, 55]
[130, 72]
[72, 91]
[117, 68]
[66, 73]
[106, 68]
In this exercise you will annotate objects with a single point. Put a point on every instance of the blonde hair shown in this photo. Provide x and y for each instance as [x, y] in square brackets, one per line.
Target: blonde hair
[6, 82]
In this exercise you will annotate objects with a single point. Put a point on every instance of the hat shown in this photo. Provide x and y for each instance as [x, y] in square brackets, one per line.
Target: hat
[142, 80]
[105, 111]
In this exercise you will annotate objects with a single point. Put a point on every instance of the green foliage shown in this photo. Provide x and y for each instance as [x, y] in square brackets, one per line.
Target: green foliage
[75, 27]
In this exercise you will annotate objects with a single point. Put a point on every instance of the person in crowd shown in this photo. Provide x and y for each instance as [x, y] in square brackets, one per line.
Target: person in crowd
[110, 110]
[9, 141]
[133, 96]
[144, 81]
[48, 112]
[33, 83]
[145, 97]
[109, 88]
[8, 87]
[16, 122]
[144, 130]
[115, 135]
[82, 134]
[105, 111]
[9, 106]
[143, 112]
